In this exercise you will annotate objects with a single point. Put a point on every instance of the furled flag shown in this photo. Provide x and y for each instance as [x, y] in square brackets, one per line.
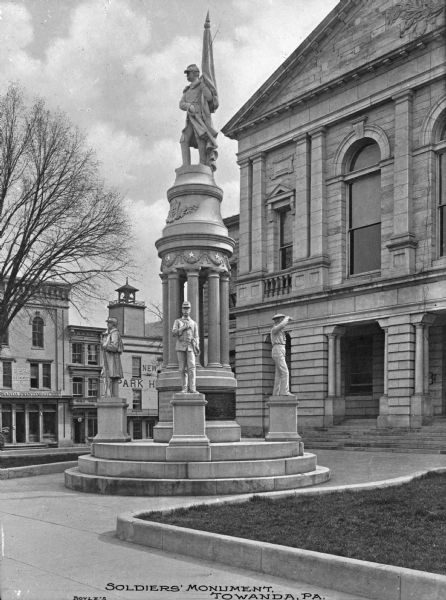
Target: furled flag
[207, 65]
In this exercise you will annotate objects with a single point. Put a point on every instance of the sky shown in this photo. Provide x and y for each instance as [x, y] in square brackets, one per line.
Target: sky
[115, 67]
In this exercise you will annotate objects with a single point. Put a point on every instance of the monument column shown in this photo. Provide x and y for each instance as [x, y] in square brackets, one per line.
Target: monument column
[224, 314]
[166, 336]
[173, 311]
[214, 322]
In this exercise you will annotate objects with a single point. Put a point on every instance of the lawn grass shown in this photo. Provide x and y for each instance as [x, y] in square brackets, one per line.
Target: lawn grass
[7, 462]
[403, 526]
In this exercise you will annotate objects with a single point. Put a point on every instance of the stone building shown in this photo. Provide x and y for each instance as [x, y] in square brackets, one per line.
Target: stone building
[342, 156]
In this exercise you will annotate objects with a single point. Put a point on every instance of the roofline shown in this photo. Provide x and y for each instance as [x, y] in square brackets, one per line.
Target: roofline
[309, 42]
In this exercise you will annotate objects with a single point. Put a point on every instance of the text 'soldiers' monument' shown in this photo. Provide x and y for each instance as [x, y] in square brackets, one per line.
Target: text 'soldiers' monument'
[197, 448]
[195, 251]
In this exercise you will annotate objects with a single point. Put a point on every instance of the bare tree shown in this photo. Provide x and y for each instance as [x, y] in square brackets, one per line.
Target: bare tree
[58, 221]
[156, 310]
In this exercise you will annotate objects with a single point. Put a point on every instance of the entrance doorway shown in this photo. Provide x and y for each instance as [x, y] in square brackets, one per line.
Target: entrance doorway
[20, 434]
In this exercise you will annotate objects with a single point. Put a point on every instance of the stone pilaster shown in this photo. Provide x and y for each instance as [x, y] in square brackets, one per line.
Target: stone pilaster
[258, 249]
[402, 244]
[334, 410]
[174, 311]
[301, 239]
[244, 264]
[166, 332]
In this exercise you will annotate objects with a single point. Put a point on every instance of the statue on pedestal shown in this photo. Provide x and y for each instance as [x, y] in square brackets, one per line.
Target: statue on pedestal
[185, 330]
[112, 348]
[281, 376]
[199, 100]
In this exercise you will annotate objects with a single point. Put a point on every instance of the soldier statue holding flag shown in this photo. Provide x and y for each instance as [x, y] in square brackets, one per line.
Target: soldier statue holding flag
[199, 100]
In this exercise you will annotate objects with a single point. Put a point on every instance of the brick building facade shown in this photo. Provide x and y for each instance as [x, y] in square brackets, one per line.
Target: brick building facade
[342, 156]
[50, 371]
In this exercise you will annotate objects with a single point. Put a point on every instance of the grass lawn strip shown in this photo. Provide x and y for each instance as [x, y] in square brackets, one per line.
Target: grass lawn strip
[403, 526]
[7, 462]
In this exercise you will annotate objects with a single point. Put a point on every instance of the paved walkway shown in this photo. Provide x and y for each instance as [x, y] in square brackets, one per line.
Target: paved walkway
[58, 544]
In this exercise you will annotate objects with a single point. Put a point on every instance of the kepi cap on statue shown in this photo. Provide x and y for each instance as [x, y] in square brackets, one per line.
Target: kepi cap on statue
[278, 316]
[112, 320]
[186, 304]
[192, 68]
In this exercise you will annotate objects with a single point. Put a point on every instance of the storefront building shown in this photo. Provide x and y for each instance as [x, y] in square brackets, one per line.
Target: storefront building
[342, 156]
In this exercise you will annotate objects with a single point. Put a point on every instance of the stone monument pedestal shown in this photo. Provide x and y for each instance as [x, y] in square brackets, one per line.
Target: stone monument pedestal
[189, 441]
[282, 418]
[112, 420]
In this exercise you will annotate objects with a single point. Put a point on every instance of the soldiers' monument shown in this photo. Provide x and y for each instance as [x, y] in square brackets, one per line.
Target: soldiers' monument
[197, 447]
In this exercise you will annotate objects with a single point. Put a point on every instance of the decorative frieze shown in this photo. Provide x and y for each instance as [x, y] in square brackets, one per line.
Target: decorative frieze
[196, 258]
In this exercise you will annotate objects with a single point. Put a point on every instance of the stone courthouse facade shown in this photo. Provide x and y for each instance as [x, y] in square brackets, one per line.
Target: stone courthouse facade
[342, 156]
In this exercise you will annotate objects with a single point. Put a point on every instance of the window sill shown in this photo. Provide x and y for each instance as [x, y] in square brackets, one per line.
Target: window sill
[364, 276]
[439, 262]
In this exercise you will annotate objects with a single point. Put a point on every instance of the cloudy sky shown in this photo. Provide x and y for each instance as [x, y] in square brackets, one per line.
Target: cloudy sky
[116, 68]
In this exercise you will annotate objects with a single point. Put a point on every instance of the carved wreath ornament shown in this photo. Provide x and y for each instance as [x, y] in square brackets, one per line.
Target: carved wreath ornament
[415, 14]
[177, 211]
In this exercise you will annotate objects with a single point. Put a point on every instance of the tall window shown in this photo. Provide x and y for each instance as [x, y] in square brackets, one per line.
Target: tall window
[77, 353]
[92, 354]
[4, 338]
[37, 332]
[46, 375]
[34, 375]
[78, 386]
[7, 374]
[364, 182]
[137, 399]
[136, 367]
[285, 239]
[442, 193]
[92, 391]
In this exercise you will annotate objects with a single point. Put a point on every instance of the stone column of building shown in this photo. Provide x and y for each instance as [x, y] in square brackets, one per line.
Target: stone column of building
[301, 234]
[214, 319]
[421, 406]
[244, 265]
[334, 409]
[26, 423]
[224, 316]
[402, 243]
[258, 245]
[384, 399]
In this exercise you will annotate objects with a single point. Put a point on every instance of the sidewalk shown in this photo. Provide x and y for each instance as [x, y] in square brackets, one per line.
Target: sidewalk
[59, 544]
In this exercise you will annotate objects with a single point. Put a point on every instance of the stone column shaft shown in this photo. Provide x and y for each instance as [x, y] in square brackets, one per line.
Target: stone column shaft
[40, 422]
[224, 314]
[338, 366]
[166, 332]
[419, 358]
[214, 323]
[331, 364]
[173, 313]
[386, 360]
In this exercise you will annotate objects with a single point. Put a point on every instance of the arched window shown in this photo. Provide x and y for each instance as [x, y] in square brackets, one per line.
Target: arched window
[442, 190]
[37, 332]
[364, 206]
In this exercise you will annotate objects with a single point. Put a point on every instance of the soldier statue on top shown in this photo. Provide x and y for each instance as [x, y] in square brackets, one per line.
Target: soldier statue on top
[199, 100]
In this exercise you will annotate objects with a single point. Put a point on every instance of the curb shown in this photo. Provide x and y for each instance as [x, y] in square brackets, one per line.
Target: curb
[348, 575]
[372, 580]
[33, 470]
